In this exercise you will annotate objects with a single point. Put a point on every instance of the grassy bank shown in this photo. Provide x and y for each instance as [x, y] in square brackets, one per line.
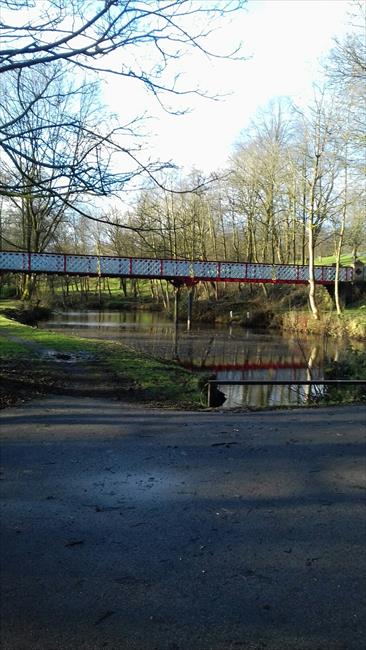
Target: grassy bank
[351, 323]
[44, 360]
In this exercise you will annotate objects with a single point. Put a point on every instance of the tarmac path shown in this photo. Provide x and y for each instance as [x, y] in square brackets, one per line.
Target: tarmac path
[137, 529]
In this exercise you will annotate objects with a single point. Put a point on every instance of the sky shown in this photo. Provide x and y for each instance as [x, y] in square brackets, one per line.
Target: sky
[282, 40]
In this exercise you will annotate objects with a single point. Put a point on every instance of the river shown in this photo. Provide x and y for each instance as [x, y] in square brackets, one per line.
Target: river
[229, 352]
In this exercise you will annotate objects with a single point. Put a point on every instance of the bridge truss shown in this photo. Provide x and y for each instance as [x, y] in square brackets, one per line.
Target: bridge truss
[179, 272]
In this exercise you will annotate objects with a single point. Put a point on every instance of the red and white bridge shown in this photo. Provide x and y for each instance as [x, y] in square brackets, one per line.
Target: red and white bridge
[179, 272]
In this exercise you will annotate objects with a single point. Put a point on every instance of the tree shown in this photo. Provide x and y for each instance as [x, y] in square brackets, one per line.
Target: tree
[53, 155]
[263, 177]
[347, 61]
[318, 148]
[134, 39]
[346, 74]
[345, 70]
[356, 229]
[58, 140]
[86, 33]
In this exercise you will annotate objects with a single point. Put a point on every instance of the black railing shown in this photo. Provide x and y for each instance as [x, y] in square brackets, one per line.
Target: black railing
[280, 382]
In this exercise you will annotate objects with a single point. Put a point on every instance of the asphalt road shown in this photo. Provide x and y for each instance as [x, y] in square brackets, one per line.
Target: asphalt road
[124, 528]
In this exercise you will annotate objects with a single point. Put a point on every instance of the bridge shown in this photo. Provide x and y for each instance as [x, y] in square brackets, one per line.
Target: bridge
[179, 272]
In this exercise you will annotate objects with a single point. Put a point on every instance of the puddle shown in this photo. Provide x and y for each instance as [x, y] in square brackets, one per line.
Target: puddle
[66, 357]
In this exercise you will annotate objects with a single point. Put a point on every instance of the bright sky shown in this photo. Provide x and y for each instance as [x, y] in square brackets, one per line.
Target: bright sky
[284, 39]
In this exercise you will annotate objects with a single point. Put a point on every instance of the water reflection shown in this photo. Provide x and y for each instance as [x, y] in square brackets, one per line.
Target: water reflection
[231, 353]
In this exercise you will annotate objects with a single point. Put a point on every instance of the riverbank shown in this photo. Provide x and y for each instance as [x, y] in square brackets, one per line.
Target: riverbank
[36, 362]
[101, 367]
[351, 323]
[276, 307]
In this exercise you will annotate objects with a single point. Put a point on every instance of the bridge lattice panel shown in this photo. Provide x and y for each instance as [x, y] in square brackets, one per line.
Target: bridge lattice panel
[14, 261]
[204, 269]
[114, 265]
[145, 267]
[82, 264]
[303, 274]
[46, 263]
[176, 268]
[256, 272]
[231, 270]
[285, 272]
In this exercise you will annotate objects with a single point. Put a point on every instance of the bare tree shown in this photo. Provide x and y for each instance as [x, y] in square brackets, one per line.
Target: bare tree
[86, 33]
[320, 173]
[65, 147]
[140, 40]
[53, 155]
[347, 61]
[345, 70]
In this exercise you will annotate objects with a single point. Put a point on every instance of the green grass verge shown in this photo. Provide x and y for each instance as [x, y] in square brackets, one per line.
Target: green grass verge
[10, 350]
[165, 383]
[31, 338]
[161, 381]
[346, 259]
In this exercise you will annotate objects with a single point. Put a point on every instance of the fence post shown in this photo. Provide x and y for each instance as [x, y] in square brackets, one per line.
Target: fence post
[208, 393]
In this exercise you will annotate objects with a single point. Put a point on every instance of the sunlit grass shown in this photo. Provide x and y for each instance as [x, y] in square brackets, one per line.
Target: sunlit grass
[161, 381]
[346, 259]
[153, 380]
[43, 338]
[10, 303]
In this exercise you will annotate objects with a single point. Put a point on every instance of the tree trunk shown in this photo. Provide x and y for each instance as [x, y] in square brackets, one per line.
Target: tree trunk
[29, 281]
[312, 288]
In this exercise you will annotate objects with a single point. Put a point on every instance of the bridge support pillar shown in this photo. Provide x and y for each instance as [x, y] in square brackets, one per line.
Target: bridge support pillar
[176, 305]
[176, 319]
[189, 307]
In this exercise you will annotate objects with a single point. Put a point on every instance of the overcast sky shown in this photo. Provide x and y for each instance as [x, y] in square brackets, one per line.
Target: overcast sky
[284, 40]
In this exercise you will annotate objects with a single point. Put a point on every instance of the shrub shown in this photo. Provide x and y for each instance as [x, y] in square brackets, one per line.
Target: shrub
[353, 366]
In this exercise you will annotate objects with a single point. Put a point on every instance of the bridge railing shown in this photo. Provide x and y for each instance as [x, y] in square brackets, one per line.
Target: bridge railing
[133, 267]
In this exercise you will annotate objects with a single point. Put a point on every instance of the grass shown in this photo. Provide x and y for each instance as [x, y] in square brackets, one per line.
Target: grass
[150, 379]
[351, 323]
[354, 320]
[10, 350]
[356, 312]
[161, 381]
[346, 259]
[110, 289]
[31, 337]
[9, 303]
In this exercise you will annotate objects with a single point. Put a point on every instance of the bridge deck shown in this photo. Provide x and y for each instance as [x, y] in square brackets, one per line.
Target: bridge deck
[179, 271]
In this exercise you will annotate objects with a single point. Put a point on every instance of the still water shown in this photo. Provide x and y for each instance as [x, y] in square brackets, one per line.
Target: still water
[230, 352]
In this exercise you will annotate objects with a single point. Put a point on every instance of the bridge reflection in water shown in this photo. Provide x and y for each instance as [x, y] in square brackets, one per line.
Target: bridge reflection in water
[263, 356]
[230, 353]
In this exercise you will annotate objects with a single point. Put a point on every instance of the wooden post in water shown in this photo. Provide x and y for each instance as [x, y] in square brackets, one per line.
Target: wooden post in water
[189, 307]
[176, 319]
[176, 305]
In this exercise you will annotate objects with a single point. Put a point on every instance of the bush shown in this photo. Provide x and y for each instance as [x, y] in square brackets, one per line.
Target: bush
[351, 367]
[8, 291]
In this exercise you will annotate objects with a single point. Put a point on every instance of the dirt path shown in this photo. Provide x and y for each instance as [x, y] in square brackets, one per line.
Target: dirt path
[48, 370]
[135, 529]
